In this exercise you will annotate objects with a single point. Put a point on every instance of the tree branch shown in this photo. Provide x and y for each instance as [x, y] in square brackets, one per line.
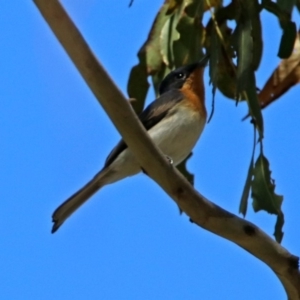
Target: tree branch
[203, 212]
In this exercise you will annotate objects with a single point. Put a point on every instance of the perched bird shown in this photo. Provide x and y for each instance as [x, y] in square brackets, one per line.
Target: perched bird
[174, 121]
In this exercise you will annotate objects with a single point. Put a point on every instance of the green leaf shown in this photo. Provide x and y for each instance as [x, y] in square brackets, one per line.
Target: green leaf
[286, 5]
[256, 34]
[150, 60]
[187, 48]
[222, 72]
[273, 8]
[247, 187]
[245, 66]
[282, 10]
[248, 35]
[173, 5]
[138, 85]
[278, 233]
[263, 193]
[159, 76]
[288, 37]
[263, 188]
[169, 35]
[244, 49]
[195, 8]
[213, 93]
[246, 190]
[254, 106]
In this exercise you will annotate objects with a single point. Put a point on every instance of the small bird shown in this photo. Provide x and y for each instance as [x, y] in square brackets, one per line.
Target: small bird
[174, 121]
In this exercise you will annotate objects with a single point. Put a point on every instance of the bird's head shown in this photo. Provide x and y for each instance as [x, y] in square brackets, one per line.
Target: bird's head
[177, 78]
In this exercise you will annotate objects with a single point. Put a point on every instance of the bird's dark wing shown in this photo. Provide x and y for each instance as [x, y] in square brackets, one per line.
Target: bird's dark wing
[154, 113]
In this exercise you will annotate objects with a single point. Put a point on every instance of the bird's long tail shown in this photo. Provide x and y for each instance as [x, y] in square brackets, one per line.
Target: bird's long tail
[67, 208]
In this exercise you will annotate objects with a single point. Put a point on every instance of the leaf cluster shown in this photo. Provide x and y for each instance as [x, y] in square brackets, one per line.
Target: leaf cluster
[232, 37]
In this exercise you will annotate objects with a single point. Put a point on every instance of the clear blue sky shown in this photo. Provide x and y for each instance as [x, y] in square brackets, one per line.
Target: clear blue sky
[129, 241]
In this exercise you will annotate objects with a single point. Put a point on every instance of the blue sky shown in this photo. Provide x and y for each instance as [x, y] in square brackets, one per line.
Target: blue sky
[129, 241]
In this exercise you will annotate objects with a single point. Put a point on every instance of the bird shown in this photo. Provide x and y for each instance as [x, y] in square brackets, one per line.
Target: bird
[174, 121]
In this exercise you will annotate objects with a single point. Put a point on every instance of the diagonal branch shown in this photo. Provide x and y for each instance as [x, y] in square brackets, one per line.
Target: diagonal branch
[203, 212]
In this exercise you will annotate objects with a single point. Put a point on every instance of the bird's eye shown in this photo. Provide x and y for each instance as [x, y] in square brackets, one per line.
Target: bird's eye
[180, 75]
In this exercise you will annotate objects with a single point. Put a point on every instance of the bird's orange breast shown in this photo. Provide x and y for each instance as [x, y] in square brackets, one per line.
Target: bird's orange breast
[193, 91]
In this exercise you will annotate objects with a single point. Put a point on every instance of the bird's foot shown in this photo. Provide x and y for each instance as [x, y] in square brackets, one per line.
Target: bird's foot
[170, 160]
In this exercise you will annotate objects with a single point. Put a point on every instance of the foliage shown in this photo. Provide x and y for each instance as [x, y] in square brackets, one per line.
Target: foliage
[179, 36]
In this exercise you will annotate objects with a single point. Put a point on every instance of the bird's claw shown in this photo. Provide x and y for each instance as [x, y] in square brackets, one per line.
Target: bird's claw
[170, 160]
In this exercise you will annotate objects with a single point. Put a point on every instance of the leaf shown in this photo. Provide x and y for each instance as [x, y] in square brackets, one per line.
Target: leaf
[245, 68]
[285, 76]
[222, 70]
[169, 35]
[173, 5]
[282, 10]
[138, 85]
[197, 8]
[263, 193]
[187, 48]
[275, 9]
[286, 5]
[244, 49]
[256, 34]
[150, 60]
[278, 233]
[247, 186]
[287, 39]
[263, 188]
[213, 93]
[159, 76]
[246, 190]
[254, 107]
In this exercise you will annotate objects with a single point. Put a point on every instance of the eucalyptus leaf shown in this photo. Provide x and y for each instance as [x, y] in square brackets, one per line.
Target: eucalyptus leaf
[288, 37]
[263, 193]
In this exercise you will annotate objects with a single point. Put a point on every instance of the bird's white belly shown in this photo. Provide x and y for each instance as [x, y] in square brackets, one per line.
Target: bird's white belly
[175, 135]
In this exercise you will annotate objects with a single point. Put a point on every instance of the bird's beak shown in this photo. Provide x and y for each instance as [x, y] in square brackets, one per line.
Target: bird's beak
[198, 65]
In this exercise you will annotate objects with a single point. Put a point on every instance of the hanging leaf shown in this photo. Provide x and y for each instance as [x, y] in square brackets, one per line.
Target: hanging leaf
[286, 5]
[244, 49]
[263, 193]
[247, 187]
[187, 49]
[245, 67]
[285, 76]
[222, 70]
[282, 10]
[150, 61]
[138, 85]
[169, 35]
[158, 77]
[256, 34]
[289, 33]
[173, 5]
